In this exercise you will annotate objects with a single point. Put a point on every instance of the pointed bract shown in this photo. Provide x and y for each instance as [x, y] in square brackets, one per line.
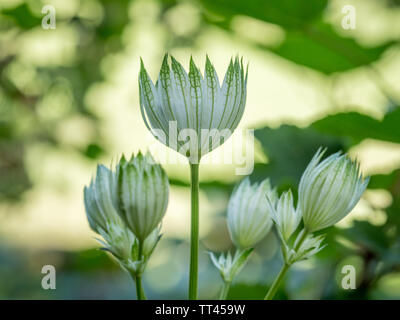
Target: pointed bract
[211, 110]
[286, 217]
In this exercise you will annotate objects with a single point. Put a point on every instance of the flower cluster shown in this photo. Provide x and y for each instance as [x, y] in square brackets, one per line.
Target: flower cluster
[125, 205]
[328, 192]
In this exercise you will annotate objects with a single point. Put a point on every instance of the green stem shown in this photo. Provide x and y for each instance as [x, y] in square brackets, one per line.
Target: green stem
[138, 278]
[224, 290]
[272, 290]
[194, 233]
[139, 288]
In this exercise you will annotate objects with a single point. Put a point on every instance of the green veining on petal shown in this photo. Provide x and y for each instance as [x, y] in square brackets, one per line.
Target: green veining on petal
[195, 84]
[179, 73]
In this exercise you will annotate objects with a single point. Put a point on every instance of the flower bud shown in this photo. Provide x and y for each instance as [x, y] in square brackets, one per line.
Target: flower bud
[329, 190]
[100, 199]
[249, 217]
[284, 214]
[192, 101]
[142, 194]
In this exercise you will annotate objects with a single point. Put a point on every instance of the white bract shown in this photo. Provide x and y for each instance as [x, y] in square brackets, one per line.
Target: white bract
[309, 247]
[329, 190]
[229, 266]
[249, 218]
[100, 199]
[203, 112]
[286, 217]
[143, 189]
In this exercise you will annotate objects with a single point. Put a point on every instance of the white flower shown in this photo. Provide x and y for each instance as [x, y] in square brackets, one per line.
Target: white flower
[100, 199]
[106, 198]
[229, 266]
[143, 189]
[249, 217]
[203, 111]
[329, 190]
[284, 214]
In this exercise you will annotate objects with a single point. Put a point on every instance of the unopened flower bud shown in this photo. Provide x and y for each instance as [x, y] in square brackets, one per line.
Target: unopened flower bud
[100, 199]
[143, 189]
[249, 217]
[329, 190]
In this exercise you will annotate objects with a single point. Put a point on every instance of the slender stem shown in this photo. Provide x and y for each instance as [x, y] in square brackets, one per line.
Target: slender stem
[139, 289]
[224, 290]
[194, 233]
[138, 278]
[272, 290]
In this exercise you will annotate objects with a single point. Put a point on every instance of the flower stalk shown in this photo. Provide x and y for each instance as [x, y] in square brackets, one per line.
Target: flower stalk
[277, 282]
[139, 288]
[224, 291]
[194, 234]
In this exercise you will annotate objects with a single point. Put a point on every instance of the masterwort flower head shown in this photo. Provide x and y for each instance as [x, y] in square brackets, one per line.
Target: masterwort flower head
[191, 113]
[143, 189]
[286, 217]
[249, 217]
[329, 190]
[100, 199]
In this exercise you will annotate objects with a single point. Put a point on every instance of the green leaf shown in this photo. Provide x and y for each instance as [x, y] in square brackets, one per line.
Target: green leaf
[23, 16]
[385, 181]
[309, 41]
[289, 150]
[359, 127]
[367, 236]
[286, 13]
[319, 47]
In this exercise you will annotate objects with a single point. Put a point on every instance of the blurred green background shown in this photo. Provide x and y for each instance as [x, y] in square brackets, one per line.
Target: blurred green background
[69, 99]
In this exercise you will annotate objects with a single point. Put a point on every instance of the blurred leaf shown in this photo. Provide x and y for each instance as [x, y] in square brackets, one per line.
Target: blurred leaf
[115, 18]
[309, 41]
[289, 150]
[368, 237]
[286, 13]
[88, 261]
[241, 291]
[93, 151]
[23, 17]
[358, 127]
[391, 259]
[385, 181]
[319, 47]
[14, 178]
